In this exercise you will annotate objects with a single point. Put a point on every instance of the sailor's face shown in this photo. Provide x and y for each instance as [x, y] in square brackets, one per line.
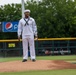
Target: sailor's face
[27, 14]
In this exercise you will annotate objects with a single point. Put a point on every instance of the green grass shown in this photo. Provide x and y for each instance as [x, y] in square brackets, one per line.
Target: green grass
[70, 57]
[49, 72]
[74, 62]
[10, 59]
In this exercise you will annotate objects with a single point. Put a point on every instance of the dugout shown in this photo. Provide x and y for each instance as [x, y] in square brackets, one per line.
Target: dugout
[47, 46]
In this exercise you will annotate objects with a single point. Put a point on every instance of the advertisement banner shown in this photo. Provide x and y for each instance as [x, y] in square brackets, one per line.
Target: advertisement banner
[9, 26]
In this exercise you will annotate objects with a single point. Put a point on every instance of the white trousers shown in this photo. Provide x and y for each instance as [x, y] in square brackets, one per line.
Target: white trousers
[28, 40]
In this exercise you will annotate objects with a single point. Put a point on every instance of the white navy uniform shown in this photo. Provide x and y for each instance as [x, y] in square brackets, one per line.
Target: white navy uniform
[27, 31]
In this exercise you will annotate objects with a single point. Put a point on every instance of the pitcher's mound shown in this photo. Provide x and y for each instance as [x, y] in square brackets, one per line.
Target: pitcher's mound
[17, 66]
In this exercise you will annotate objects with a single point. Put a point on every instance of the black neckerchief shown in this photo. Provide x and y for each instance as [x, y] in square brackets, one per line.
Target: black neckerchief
[26, 21]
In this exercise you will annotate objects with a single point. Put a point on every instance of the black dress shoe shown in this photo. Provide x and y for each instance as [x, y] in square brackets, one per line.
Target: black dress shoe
[24, 60]
[33, 60]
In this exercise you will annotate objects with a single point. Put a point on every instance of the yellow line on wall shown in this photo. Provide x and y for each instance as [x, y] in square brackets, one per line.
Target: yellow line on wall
[40, 39]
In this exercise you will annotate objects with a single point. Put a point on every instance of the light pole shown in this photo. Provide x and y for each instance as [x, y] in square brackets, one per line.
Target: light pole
[23, 8]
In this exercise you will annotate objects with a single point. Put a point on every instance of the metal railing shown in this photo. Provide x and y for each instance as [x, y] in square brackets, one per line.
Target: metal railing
[54, 46]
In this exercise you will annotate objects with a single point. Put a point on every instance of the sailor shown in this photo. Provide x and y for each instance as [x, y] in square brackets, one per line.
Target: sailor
[28, 29]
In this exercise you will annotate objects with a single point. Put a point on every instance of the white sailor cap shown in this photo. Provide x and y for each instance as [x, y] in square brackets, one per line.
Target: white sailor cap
[27, 10]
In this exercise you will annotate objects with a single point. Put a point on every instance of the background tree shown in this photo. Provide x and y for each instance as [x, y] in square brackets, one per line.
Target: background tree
[54, 18]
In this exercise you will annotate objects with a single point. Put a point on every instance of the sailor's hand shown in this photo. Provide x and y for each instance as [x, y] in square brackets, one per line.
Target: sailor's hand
[36, 37]
[19, 38]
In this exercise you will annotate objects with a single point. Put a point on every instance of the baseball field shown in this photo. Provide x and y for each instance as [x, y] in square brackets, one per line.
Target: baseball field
[45, 65]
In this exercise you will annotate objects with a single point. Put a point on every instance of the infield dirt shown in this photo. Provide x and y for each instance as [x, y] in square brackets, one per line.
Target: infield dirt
[19, 66]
